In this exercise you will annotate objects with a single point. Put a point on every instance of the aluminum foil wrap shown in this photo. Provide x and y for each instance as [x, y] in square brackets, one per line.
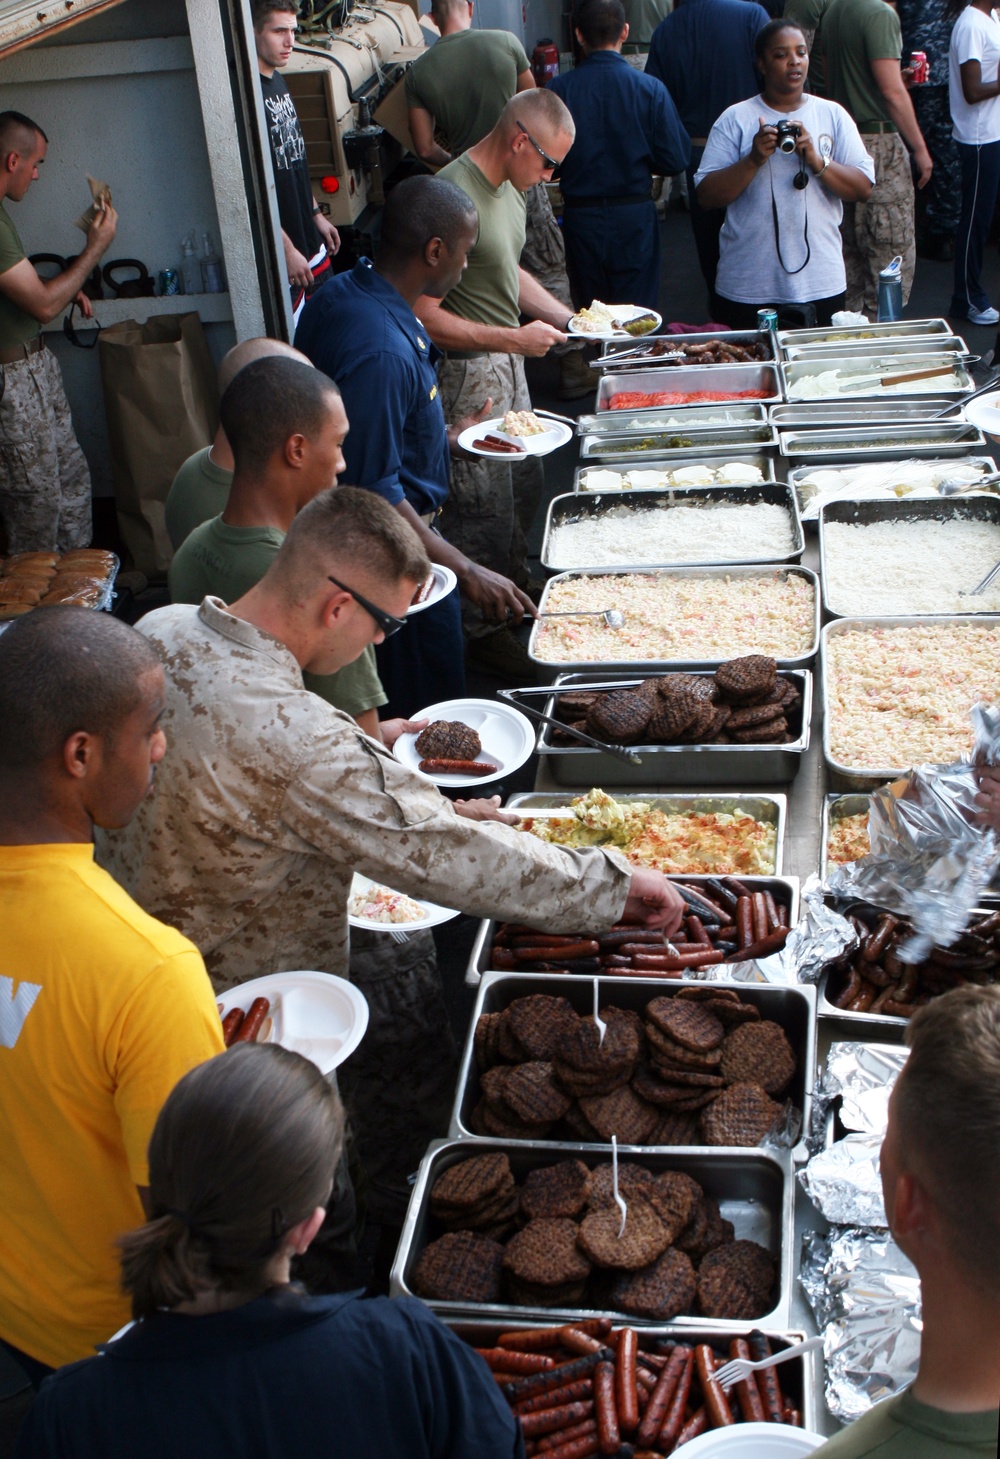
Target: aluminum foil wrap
[863, 1075]
[842, 1177]
[928, 861]
[843, 1181]
[865, 1295]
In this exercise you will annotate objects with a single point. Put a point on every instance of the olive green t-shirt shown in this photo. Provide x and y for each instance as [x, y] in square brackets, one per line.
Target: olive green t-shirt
[488, 290]
[198, 492]
[905, 1428]
[17, 326]
[852, 34]
[227, 562]
[465, 80]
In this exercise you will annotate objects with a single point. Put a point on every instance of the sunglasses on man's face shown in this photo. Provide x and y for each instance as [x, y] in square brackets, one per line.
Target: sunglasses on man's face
[549, 161]
[386, 621]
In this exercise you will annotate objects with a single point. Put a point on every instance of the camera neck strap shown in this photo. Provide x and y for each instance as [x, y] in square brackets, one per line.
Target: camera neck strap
[777, 226]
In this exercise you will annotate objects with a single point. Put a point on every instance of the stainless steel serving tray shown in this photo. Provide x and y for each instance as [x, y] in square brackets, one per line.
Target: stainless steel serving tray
[810, 514]
[577, 505]
[841, 339]
[850, 777]
[581, 765]
[889, 412]
[898, 345]
[882, 443]
[754, 1189]
[799, 661]
[835, 808]
[689, 378]
[769, 808]
[801, 1377]
[794, 371]
[794, 1009]
[687, 418]
[614, 347]
[668, 462]
[621, 446]
[974, 508]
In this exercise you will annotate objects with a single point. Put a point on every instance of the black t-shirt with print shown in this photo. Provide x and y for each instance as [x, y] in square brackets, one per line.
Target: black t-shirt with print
[291, 171]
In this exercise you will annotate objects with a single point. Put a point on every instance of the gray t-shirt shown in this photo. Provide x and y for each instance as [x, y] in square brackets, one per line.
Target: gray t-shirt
[750, 271]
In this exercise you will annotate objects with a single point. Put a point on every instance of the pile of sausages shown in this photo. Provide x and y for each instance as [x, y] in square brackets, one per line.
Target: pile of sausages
[586, 1389]
[728, 921]
[243, 1028]
[716, 352]
[874, 979]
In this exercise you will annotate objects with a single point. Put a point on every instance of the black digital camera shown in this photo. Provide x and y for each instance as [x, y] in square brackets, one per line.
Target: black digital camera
[788, 134]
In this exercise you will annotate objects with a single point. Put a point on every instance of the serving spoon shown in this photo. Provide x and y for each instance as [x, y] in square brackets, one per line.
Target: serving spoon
[613, 617]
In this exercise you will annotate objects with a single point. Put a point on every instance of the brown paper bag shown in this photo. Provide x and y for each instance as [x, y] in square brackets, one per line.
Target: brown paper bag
[162, 404]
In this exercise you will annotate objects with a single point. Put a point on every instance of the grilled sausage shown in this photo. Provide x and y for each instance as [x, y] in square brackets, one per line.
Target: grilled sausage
[250, 1026]
[457, 767]
[626, 1380]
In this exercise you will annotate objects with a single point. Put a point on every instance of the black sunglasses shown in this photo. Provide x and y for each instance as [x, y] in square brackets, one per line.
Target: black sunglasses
[388, 624]
[549, 161]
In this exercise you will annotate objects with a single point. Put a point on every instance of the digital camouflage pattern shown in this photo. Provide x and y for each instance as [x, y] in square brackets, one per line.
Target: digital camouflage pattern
[491, 503]
[875, 231]
[544, 254]
[269, 800]
[45, 498]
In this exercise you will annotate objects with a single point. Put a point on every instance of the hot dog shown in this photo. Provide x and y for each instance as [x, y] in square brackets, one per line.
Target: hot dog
[248, 1029]
[578, 1340]
[231, 1025]
[457, 767]
[569, 1393]
[495, 443]
[758, 909]
[773, 942]
[550, 1420]
[608, 1434]
[696, 930]
[626, 1378]
[542, 954]
[716, 1403]
[747, 1392]
[663, 1394]
[555, 1378]
[585, 1430]
[767, 1378]
[744, 921]
[504, 1360]
[533, 1341]
[576, 1448]
[696, 1424]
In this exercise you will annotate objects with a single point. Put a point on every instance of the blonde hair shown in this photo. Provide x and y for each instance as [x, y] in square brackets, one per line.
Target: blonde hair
[947, 1104]
[350, 529]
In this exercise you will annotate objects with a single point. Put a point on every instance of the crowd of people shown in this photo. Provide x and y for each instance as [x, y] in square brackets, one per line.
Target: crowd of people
[183, 804]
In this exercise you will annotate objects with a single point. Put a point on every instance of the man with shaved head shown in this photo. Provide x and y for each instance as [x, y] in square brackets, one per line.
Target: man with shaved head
[201, 486]
[102, 1008]
[491, 504]
[44, 477]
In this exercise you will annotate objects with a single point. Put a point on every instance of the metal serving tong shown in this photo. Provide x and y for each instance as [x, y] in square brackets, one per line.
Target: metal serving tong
[958, 488]
[634, 356]
[620, 752]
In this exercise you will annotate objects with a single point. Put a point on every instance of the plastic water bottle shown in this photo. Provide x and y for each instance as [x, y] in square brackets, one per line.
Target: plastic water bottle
[211, 266]
[190, 267]
[890, 292]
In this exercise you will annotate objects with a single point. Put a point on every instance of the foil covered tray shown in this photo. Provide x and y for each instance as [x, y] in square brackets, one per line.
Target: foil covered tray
[582, 766]
[793, 1008]
[796, 661]
[691, 379]
[785, 888]
[754, 1189]
[670, 462]
[576, 506]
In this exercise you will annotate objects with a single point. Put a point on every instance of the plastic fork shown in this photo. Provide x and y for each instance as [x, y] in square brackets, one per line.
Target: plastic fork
[738, 1369]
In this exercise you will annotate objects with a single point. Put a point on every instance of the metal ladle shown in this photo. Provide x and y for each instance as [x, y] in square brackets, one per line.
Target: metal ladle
[613, 617]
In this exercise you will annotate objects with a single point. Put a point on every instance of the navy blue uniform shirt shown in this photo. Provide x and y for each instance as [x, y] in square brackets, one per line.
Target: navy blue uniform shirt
[627, 128]
[284, 1377]
[703, 54]
[361, 332]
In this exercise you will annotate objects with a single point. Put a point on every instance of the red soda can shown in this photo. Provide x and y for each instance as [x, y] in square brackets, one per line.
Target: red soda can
[919, 67]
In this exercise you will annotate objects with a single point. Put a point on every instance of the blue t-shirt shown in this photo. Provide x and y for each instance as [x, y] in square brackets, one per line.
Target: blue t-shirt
[703, 54]
[627, 128]
[361, 332]
[284, 1377]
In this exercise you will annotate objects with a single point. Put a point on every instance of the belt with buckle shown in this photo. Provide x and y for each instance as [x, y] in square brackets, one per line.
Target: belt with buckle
[876, 129]
[21, 352]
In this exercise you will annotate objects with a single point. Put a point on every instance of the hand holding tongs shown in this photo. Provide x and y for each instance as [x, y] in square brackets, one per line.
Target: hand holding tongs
[618, 751]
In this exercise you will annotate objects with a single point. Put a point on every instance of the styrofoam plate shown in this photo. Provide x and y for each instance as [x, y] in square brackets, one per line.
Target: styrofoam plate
[985, 413]
[434, 914]
[318, 1015]
[507, 735]
[442, 582]
[753, 1441]
[540, 445]
[621, 311]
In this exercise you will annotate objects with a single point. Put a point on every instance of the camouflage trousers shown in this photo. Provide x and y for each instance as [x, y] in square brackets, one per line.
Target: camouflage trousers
[491, 503]
[544, 254]
[44, 478]
[874, 232]
[399, 1084]
[942, 197]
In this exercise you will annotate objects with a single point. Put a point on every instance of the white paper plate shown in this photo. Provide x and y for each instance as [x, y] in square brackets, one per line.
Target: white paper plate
[622, 311]
[434, 913]
[985, 413]
[442, 582]
[507, 735]
[550, 440]
[317, 1015]
[754, 1441]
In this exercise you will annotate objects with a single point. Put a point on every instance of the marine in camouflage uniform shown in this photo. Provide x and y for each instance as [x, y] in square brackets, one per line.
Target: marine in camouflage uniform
[251, 855]
[876, 231]
[45, 498]
[926, 28]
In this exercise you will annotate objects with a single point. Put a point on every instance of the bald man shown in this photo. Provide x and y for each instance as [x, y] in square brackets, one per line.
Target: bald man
[201, 487]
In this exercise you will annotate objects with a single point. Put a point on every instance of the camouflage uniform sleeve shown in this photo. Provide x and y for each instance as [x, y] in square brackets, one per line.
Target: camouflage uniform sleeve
[352, 802]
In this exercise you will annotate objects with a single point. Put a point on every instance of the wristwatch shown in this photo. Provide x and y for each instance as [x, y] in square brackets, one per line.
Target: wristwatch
[826, 164]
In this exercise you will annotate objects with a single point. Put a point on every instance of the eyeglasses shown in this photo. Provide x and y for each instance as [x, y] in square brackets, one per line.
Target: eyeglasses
[386, 622]
[550, 162]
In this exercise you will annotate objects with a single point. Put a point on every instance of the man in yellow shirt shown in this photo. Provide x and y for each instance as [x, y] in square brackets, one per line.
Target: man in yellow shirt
[102, 1008]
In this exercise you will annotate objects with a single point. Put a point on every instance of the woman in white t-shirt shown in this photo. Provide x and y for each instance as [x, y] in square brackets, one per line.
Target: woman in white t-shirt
[780, 243]
[974, 96]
